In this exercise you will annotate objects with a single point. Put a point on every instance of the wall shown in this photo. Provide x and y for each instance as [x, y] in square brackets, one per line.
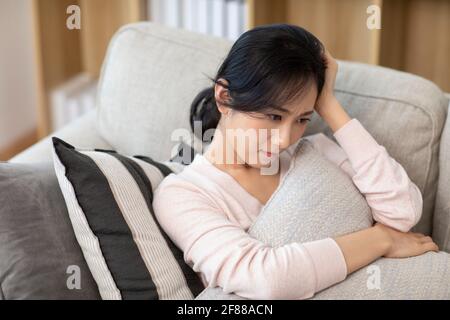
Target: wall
[17, 75]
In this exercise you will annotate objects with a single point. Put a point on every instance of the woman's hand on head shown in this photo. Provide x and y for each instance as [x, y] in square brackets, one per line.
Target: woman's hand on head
[327, 95]
[327, 106]
[406, 244]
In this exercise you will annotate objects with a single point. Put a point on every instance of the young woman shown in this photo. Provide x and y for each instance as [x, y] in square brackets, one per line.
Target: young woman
[274, 78]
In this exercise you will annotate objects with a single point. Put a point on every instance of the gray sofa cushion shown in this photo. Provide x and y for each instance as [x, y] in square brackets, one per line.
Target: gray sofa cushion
[441, 222]
[317, 200]
[37, 244]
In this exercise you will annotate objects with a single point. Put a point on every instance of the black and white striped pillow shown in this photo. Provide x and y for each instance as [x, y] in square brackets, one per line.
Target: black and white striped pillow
[109, 199]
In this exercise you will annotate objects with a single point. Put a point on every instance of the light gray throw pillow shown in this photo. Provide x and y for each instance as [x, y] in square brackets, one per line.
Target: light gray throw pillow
[316, 200]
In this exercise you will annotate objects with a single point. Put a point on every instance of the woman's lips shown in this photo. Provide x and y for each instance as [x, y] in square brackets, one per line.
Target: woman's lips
[268, 154]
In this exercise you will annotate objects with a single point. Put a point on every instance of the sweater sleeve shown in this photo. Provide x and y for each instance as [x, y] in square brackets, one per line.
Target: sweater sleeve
[394, 199]
[228, 257]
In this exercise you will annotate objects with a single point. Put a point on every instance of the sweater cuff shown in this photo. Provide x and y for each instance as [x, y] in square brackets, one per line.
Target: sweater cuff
[357, 143]
[329, 262]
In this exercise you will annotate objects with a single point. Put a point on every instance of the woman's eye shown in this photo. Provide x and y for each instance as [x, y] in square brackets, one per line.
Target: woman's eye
[274, 117]
[304, 120]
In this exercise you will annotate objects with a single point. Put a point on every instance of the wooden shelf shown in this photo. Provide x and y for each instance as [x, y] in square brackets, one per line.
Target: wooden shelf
[414, 36]
[57, 51]
[100, 20]
[62, 53]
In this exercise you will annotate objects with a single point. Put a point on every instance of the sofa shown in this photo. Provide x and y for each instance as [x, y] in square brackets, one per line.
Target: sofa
[149, 77]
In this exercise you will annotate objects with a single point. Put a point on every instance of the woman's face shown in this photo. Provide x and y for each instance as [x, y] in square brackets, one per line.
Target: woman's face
[251, 135]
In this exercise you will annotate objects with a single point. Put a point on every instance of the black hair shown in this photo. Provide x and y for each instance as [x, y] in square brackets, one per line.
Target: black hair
[266, 68]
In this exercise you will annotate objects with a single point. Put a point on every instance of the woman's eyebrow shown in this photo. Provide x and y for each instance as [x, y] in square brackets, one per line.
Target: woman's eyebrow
[302, 114]
[307, 113]
[289, 112]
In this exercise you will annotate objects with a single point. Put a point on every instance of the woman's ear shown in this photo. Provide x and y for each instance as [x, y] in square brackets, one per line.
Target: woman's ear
[221, 95]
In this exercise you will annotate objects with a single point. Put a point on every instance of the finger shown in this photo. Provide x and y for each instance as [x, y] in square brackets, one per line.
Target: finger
[426, 239]
[329, 55]
[430, 246]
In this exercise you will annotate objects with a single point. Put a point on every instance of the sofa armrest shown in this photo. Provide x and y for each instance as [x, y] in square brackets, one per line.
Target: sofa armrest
[441, 217]
[82, 133]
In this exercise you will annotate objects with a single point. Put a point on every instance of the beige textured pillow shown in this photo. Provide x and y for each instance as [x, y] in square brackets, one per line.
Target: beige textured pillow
[315, 200]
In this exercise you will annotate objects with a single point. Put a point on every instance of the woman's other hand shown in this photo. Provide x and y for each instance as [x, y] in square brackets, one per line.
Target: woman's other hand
[327, 106]
[326, 97]
[406, 244]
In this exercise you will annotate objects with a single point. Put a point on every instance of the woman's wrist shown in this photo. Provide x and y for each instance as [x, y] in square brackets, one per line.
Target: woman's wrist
[384, 236]
[363, 247]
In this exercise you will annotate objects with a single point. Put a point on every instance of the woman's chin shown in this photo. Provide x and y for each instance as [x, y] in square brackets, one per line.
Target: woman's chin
[265, 162]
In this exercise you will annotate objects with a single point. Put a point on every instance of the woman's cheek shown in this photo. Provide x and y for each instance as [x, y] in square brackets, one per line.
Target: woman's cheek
[298, 133]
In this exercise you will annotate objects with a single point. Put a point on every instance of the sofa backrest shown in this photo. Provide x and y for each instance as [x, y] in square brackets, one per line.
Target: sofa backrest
[149, 78]
[152, 73]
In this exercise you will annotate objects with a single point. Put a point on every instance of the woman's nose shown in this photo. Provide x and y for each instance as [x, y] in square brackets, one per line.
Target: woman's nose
[281, 139]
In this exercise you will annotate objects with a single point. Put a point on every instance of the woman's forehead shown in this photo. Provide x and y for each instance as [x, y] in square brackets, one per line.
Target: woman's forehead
[302, 103]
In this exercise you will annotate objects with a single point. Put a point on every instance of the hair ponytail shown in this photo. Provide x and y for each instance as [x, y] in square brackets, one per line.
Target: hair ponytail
[204, 109]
